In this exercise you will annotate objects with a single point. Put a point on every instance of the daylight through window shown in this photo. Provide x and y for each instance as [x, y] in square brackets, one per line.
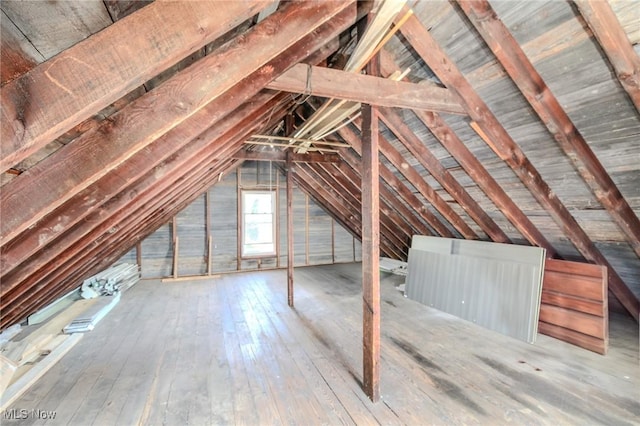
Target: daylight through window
[258, 225]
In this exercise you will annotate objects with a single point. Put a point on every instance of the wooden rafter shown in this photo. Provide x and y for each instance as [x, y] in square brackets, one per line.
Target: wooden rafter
[158, 156]
[414, 178]
[410, 217]
[155, 180]
[205, 121]
[350, 197]
[106, 249]
[396, 184]
[62, 92]
[551, 113]
[81, 255]
[395, 225]
[614, 42]
[331, 83]
[79, 264]
[474, 168]
[507, 149]
[33, 195]
[419, 150]
[123, 213]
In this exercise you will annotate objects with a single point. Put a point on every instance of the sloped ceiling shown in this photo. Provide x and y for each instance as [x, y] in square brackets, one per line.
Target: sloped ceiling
[115, 115]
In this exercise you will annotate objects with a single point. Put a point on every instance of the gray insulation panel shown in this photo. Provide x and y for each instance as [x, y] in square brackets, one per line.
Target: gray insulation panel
[497, 286]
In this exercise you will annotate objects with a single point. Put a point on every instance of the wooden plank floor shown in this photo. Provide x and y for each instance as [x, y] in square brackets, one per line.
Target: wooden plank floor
[230, 351]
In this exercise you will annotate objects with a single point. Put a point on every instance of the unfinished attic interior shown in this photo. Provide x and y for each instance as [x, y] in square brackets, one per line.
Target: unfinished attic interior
[333, 212]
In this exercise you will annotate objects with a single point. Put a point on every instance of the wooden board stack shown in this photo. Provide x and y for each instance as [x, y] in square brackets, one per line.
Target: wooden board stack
[574, 304]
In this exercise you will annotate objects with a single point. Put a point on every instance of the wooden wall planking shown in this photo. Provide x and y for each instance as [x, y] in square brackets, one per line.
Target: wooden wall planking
[574, 304]
[319, 242]
[40, 22]
[157, 253]
[18, 54]
[193, 239]
[224, 222]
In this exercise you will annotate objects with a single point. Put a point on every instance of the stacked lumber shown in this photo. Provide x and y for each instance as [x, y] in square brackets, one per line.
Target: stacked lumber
[27, 353]
[34, 350]
[110, 281]
[574, 304]
[53, 308]
[52, 353]
[393, 266]
[90, 317]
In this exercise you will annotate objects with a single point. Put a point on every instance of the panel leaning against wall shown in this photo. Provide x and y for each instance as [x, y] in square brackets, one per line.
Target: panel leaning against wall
[497, 286]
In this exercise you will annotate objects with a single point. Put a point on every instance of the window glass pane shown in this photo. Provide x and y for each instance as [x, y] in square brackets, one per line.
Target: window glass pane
[258, 223]
[258, 232]
[257, 202]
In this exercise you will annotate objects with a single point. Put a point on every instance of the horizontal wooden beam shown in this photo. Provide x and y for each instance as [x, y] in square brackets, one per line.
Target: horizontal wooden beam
[37, 192]
[331, 83]
[286, 145]
[291, 139]
[165, 151]
[77, 83]
[310, 157]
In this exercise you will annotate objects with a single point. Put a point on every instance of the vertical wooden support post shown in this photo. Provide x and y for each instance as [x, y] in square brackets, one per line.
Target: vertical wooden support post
[306, 229]
[353, 247]
[207, 230]
[370, 249]
[333, 241]
[174, 231]
[290, 253]
[239, 208]
[210, 255]
[139, 255]
[277, 207]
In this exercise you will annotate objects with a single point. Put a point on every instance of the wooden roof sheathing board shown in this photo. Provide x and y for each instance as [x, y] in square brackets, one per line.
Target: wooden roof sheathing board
[554, 36]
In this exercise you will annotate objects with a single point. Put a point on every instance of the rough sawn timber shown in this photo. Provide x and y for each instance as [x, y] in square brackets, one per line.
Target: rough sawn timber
[332, 83]
[62, 92]
[53, 181]
[506, 148]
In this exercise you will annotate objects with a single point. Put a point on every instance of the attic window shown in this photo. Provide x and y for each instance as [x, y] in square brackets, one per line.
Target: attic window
[258, 224]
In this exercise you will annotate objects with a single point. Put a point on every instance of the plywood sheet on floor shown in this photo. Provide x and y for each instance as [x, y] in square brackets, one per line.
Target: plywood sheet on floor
[230, 351]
